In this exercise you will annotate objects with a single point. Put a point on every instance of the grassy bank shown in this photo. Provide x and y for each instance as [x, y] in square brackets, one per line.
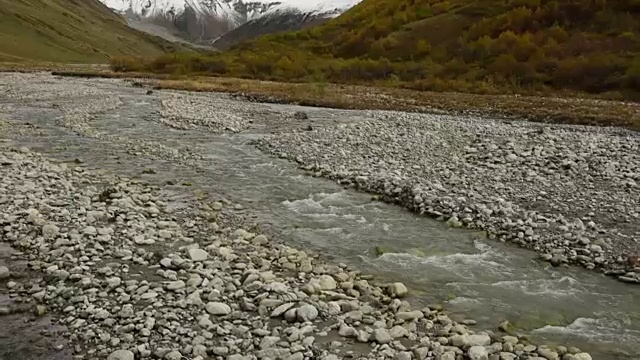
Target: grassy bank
[557, 109]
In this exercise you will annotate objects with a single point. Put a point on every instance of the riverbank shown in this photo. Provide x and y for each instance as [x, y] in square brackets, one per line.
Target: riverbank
[567, 192]
[561, 108]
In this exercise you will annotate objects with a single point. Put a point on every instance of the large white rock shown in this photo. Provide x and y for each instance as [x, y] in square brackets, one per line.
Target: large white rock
[198, 255]
[307, 313]
[478, 353]
[327, 283]
[398, 290]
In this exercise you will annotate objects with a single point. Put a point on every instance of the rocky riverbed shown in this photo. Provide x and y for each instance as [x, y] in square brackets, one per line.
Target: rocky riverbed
[130, 278]
[130, 274]
[571, 193]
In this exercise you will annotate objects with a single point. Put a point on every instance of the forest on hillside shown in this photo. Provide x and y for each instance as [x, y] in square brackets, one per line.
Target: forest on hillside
[475, 46]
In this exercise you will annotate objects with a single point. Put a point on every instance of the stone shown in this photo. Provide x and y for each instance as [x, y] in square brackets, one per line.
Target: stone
[176, 285]
[307, 312]
[398, 290]
[218, 308]
[280, 310]
[173, 355]
[300, 115]
[327, 283]
[421, 353]
[548, 354]
[403, 355]
[296, 356]
[381, 336]
[347, 331]
[398, 332]
[448, 355]
[410, 315]
[50, 231]
[4, 272]
[220, 350]
[478, 340]
[126, 312]
[198, 255]
[269, 342]
[478, 353]
[121, 355]
[582, 356]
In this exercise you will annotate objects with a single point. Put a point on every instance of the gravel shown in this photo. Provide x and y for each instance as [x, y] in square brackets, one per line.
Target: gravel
[131, 277]
[571, 193]
[120, 300]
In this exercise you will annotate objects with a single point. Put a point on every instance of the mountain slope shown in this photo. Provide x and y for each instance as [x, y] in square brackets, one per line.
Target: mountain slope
[69, 31]
[463, 45]
[271, 23]
[210, 19]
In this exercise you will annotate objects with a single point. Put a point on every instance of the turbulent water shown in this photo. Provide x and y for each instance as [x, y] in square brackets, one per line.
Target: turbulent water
[477, 278]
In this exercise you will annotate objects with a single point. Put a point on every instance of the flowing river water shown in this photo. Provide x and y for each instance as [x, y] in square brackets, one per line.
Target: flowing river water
[474, 277]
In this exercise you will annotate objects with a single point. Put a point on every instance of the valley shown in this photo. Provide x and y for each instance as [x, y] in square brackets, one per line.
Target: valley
[217, 249]
[320, 180]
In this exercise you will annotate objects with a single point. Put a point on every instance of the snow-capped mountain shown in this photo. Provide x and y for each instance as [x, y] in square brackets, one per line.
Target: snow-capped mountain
[209, 19]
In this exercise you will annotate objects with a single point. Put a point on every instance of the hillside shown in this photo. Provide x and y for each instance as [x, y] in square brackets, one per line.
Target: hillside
[69, 31]
[475, 46]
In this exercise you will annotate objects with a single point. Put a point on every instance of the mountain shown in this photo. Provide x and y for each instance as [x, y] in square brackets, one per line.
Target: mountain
[206, 20]
[69, 31]
[270, 23]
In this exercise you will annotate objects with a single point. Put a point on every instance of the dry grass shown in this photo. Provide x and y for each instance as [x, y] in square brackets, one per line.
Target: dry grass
[567, 110]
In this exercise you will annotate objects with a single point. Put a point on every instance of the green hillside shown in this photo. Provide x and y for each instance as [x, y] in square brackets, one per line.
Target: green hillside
[69, 31]
[465, 45]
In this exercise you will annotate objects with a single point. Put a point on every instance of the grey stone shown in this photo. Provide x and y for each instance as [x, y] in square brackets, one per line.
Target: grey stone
[280, 310]
[448, 355]
[218, 308]
[173, 355]
[327, 282]
[382, 336]
[307, 312]
[403, 355]
[548, 354]
[4, 272]
[478, 353]
[398, 290]
[197, 255]
[410, 315]
[582, 356]
[50, 231]
[121, 355]
[421, 353]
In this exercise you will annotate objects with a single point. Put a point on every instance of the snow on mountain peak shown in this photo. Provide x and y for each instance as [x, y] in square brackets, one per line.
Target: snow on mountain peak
[227, 8]
[208, 19]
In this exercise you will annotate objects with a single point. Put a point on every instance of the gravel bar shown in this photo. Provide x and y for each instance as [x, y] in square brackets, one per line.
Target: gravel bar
[571, 193]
